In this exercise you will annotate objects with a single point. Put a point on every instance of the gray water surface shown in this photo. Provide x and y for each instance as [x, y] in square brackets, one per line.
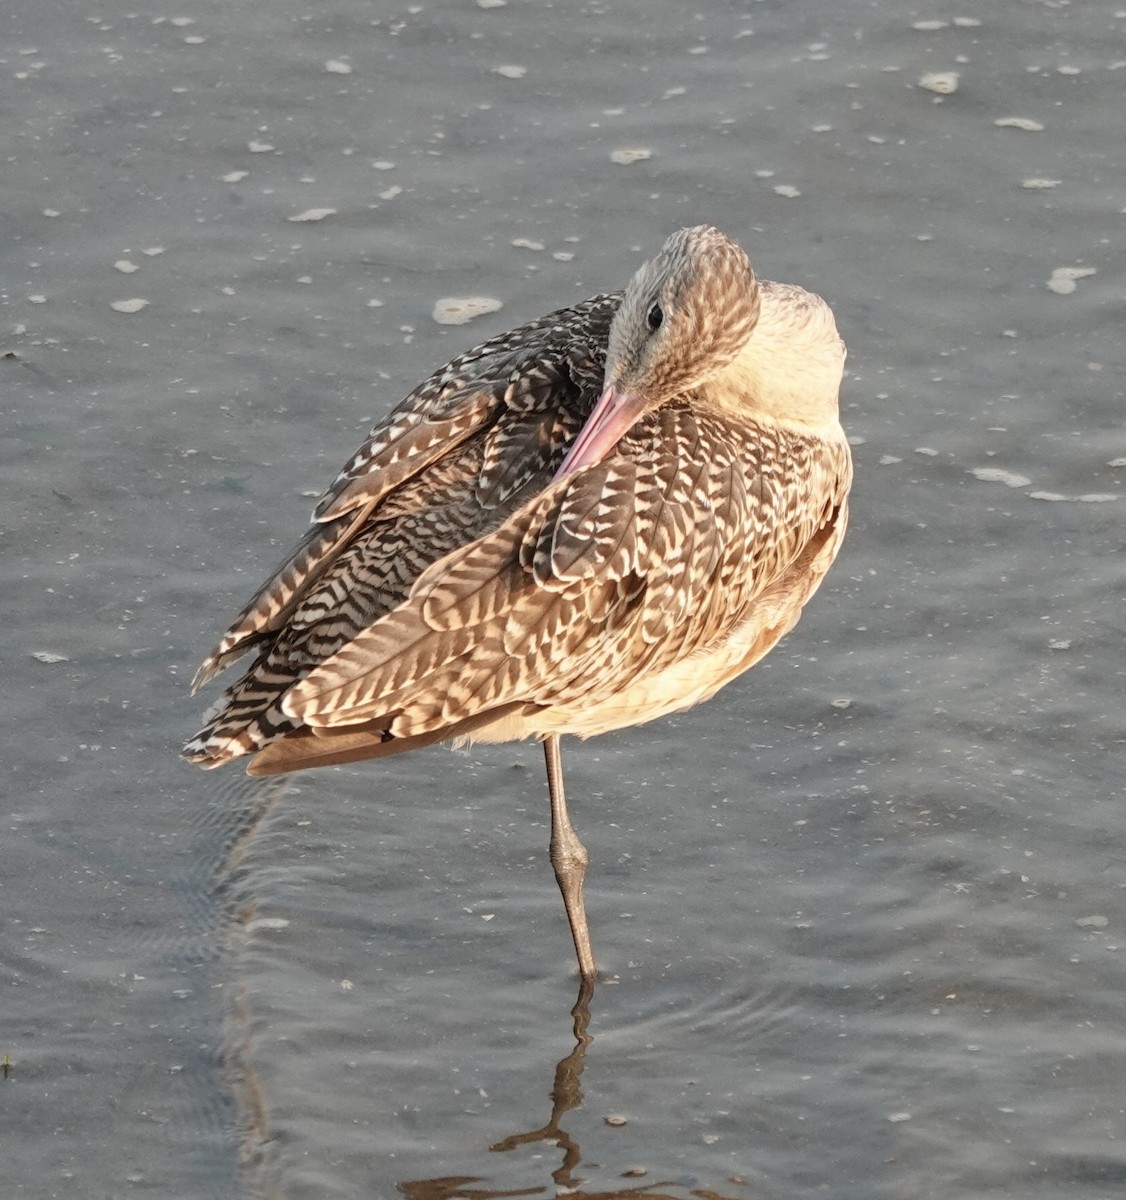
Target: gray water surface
[860, 919]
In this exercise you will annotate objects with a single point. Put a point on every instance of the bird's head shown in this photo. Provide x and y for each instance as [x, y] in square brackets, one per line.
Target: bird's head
[685, 316]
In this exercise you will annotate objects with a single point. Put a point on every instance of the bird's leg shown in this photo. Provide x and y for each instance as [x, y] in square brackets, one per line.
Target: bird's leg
[568, 858]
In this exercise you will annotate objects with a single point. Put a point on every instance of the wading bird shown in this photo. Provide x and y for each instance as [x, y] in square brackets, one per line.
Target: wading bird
[590, 521]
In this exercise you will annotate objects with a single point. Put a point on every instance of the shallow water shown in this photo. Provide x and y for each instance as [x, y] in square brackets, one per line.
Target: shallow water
[860, 918]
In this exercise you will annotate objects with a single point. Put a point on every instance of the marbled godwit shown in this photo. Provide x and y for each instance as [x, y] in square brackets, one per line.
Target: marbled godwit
[588, 522]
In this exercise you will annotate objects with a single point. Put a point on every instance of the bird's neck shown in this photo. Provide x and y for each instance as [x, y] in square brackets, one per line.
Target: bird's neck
[790, 369]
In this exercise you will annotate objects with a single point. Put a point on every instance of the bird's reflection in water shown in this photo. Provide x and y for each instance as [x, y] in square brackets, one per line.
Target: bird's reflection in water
[566, 1096]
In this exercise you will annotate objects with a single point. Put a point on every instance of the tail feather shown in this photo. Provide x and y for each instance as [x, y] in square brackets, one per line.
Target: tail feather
[306, 747]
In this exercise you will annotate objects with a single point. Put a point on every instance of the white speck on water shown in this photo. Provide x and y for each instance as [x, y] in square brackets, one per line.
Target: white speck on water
[1067, 69]
[313, 214]
[259, 147]
[383, 164]
[51, 212]
[129, 306]
[487, 916]
[898, 1117]
[1086, 498]
[335, 66]
[1060, 644]
[841, 702]
[346, 985]
[562, 255]
[887, 460]
[1063, 279]
[527, 244]
[181, 22]
[786, 189]
[615, 1120]
[49, 656]
[967, 22]
[37, 299]
[235, 176]
[674, 91]
[1025, 123]
[630, 154]
[374, 303]
[125, 266]
[1117, 462]
[491, 3]
[1038, 184]
[709, 1139]
[943, 83]
[267, 924]
[1095, 921]
[152, 251]
[929, 26]
[459, 310]
[997, 475]
[390, 193]
[927, 450]
[194, 40]
[821, 128]
[510, 71]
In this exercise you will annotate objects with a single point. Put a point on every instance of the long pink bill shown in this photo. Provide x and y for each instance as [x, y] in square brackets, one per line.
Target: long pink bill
[610, 418]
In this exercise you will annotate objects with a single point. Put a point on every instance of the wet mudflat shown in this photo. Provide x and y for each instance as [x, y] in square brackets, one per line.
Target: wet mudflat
[860, 918]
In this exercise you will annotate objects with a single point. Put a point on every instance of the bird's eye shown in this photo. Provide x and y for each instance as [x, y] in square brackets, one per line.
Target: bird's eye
[655, 317]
